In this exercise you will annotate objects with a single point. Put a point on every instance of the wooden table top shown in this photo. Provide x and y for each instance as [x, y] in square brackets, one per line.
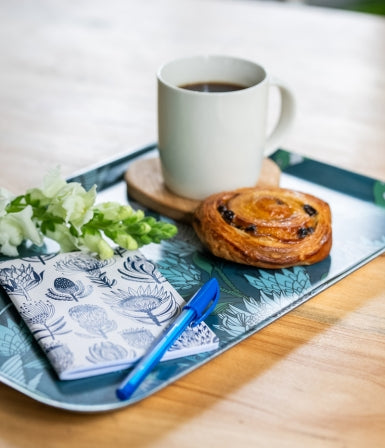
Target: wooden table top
[77, 86]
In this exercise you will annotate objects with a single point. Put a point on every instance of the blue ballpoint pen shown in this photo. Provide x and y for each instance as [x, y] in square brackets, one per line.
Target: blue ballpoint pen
[196, 310]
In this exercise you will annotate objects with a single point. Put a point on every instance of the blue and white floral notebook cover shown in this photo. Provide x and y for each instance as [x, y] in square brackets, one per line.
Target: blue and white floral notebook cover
[92, 316]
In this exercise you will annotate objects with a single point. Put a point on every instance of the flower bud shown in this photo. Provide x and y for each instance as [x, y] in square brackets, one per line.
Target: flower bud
[126, 241]
[113, 211]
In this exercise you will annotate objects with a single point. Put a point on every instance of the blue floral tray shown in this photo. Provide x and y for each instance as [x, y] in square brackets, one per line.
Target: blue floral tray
[251, 298]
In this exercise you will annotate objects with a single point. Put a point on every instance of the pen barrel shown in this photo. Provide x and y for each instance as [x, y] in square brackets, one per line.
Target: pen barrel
[155, 353]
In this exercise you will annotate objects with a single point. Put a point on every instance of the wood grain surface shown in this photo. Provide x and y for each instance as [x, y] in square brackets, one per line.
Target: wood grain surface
[77, 87]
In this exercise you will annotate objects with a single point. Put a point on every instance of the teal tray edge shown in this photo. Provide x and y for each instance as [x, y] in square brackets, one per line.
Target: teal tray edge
[250, 298]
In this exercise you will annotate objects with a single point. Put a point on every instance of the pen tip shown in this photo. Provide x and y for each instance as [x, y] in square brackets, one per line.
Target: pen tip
[124, 393]
[213, 282]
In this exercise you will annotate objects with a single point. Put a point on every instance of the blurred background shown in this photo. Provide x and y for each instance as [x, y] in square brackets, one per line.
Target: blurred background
[366, 6]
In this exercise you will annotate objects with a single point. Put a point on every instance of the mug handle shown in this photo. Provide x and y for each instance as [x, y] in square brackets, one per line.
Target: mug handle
[286, 118]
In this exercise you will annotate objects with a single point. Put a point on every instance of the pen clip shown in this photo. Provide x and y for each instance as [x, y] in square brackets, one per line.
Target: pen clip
[204, 301]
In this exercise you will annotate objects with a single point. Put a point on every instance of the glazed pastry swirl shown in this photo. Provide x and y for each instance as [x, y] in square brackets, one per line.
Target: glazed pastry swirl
[269, 228]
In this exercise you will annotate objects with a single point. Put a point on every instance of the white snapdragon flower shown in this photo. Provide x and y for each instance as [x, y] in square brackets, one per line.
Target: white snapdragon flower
[53, 182]
[62, 235]
[15, 228]
[5, 198]
[66, 213]
[73, 204]
[68, 201]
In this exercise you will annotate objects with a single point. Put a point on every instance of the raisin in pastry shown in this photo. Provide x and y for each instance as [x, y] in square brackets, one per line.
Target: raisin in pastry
[265, 227]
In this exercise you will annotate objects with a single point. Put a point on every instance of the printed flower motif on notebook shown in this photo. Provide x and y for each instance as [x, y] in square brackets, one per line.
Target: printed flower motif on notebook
[147, 305]
[40, 317]
[92, 267]
[20, 280]
[94, 316]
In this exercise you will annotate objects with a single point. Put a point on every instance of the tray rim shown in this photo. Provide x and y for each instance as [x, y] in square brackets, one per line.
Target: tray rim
[125, 160]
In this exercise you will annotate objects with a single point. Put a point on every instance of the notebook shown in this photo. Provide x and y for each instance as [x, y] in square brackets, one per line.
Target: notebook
[93, 316]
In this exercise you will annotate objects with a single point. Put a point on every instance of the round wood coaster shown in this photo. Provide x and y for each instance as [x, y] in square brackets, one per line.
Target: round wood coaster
[145, 185]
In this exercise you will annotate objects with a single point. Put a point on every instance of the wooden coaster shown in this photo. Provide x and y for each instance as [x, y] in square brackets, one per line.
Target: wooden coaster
[145, 185]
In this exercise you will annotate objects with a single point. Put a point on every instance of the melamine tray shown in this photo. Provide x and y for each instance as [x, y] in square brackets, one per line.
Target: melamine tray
[251, 298]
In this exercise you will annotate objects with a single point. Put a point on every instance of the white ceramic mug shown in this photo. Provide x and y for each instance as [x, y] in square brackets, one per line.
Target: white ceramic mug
[211, 142]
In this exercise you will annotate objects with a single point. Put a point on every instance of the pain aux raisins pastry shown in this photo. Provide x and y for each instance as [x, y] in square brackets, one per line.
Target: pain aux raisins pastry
[265, 227]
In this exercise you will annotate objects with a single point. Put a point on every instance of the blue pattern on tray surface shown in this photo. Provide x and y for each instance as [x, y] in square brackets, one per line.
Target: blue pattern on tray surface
[250, 299]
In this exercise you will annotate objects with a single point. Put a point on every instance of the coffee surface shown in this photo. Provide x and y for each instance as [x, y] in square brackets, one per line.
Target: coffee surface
[213, 86]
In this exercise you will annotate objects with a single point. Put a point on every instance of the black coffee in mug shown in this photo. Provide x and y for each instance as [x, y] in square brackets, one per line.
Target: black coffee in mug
[212, 86]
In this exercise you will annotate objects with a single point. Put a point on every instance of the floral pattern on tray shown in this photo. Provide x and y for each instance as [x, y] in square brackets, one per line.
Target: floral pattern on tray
[250, 298]
[93, 316]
